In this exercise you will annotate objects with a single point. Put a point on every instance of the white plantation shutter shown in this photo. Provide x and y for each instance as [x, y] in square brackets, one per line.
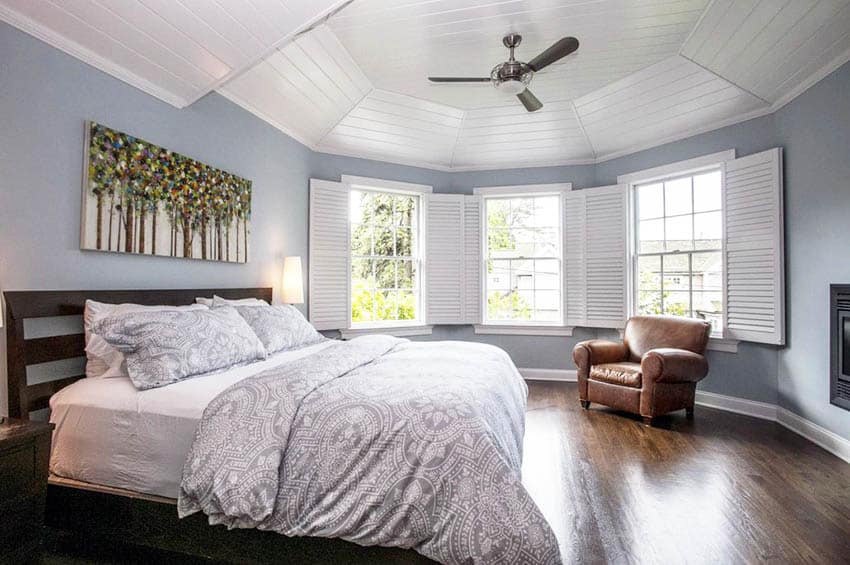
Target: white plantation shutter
[444, 253]
[595, 257]
[472, 259]
[754, 248]
[329, 278]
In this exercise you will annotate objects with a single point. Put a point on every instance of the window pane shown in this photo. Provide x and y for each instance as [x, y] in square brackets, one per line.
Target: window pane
[498, 210]
[651, 201]
[546, 243]
[404, 209]
[522, 212]
[522, 274]
[649, 303]
[649, 272]
[547, 300]
[677, 303]
[547, 274]
[679, 232]
[385, 273]
[385, 304]
[707, 192]
[523, 305]
[384, 242]
[676, 272]
[362, 304]
[501, 242]
[406, 305]
[709, 306]
[361, 270]
[525, 241]
[708, 230]
[499, 275]
[708, 271]
[361, 239]
[546, 212]
[651, 236]
[382, 209]
[677, 197]
[406, 274]
[361, 209]
[404, 242]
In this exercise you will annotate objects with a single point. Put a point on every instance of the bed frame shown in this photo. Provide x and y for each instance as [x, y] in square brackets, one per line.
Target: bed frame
[93, 516]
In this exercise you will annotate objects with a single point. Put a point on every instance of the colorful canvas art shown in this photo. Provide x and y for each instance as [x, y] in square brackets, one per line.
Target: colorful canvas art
[144, 199]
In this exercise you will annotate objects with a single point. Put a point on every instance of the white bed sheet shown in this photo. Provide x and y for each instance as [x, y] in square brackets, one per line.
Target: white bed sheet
[108, 433]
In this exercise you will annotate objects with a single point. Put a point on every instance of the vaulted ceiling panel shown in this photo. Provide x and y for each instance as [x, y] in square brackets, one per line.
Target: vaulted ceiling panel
[669, 100]
[304, 88]
[399, 44]
[768, 47]
[175, 50]
[396, 127]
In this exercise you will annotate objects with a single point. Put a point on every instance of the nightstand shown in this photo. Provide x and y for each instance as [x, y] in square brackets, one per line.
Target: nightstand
[24, 458]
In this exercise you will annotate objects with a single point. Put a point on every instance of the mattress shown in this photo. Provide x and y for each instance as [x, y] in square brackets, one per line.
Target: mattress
[108, 433]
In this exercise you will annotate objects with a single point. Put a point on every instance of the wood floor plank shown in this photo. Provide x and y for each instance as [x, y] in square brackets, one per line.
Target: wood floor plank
[723, 488]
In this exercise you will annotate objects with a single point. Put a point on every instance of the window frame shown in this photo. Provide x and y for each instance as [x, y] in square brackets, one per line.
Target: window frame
[380, 186]
[672, 171]
[521, 327]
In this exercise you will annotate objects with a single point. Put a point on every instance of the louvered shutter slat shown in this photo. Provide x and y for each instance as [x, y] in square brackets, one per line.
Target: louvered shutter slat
[444, 251]
[754, 248]
[329, 255]
[595, 257]
[472, 258]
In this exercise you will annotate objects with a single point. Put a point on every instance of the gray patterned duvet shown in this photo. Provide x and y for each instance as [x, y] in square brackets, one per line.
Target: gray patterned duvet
[378, 441]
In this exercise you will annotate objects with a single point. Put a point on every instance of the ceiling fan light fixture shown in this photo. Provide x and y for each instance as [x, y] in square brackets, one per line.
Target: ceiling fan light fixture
[511, 84]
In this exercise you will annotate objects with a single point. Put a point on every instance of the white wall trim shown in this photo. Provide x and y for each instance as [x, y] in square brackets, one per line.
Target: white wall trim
[394, 331]
[830, 441]
[680, 167]
[383, 184]
[87, 56]
[557, 375]
[506, 329]
[762, 410]
[522, 189]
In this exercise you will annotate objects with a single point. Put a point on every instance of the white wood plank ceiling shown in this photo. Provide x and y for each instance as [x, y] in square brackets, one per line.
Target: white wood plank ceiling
[647, 71]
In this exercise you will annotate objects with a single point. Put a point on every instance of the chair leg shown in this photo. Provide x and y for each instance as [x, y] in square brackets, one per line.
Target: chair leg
[648, 421]
[689, 412]
[585, 404]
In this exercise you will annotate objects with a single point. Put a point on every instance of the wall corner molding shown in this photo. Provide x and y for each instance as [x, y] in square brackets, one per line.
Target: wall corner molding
[830, 441]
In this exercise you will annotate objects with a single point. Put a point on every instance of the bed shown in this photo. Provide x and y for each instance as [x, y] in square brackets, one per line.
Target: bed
[118, 453]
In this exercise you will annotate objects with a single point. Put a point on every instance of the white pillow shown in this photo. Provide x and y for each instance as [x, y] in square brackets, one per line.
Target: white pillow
[210, 302]
[103, 360]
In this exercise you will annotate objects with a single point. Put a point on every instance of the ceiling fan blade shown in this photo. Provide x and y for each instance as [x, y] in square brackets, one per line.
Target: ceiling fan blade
[556, 52]
[459, 79]
[530, 101]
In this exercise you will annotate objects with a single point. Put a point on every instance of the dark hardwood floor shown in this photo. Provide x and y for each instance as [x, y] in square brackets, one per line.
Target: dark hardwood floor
[722, 488]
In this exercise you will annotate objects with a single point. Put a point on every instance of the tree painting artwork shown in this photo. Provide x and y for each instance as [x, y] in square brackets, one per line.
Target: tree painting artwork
[144, 199]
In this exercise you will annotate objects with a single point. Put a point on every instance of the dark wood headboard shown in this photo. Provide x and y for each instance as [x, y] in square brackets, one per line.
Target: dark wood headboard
[21, 352]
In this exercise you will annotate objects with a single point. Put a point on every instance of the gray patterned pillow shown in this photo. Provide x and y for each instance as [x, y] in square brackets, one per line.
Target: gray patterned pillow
[280, 327]
[164, 347]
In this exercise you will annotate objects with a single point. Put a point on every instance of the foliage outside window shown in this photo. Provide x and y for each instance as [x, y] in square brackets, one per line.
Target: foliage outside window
[523, 256]
[679, 245]
[385, 261]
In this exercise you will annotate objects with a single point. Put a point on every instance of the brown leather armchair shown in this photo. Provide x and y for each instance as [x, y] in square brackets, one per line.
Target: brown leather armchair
[654, 370]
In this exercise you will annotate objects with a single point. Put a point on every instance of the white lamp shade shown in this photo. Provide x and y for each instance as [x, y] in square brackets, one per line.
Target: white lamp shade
[293, 281]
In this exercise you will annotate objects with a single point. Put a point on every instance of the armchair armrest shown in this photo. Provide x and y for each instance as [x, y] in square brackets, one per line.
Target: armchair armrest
[598, 351]
[671, 365]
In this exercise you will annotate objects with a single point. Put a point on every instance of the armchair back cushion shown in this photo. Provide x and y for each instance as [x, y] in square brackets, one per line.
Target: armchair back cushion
[651, 332]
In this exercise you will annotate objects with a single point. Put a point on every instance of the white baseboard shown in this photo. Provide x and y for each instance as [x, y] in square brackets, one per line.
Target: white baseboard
[737, 405]
[830, 441]
[559, 375]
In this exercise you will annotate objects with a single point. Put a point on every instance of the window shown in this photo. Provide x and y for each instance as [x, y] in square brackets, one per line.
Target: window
[679, 242]
[523, 259]
[385, 259]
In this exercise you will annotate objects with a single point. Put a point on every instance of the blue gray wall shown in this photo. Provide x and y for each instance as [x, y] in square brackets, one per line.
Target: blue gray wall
[46, 96]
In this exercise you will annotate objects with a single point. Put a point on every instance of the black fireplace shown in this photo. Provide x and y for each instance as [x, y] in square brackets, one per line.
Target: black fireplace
[839, 380]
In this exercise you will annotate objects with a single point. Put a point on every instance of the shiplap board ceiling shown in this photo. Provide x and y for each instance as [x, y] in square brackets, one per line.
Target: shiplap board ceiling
[350, 78]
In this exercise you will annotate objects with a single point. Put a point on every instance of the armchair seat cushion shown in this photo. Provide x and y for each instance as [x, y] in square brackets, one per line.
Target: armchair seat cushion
[623, 374]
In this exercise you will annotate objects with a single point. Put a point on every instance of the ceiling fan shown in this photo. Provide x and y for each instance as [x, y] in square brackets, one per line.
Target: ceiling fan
[513, 76]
